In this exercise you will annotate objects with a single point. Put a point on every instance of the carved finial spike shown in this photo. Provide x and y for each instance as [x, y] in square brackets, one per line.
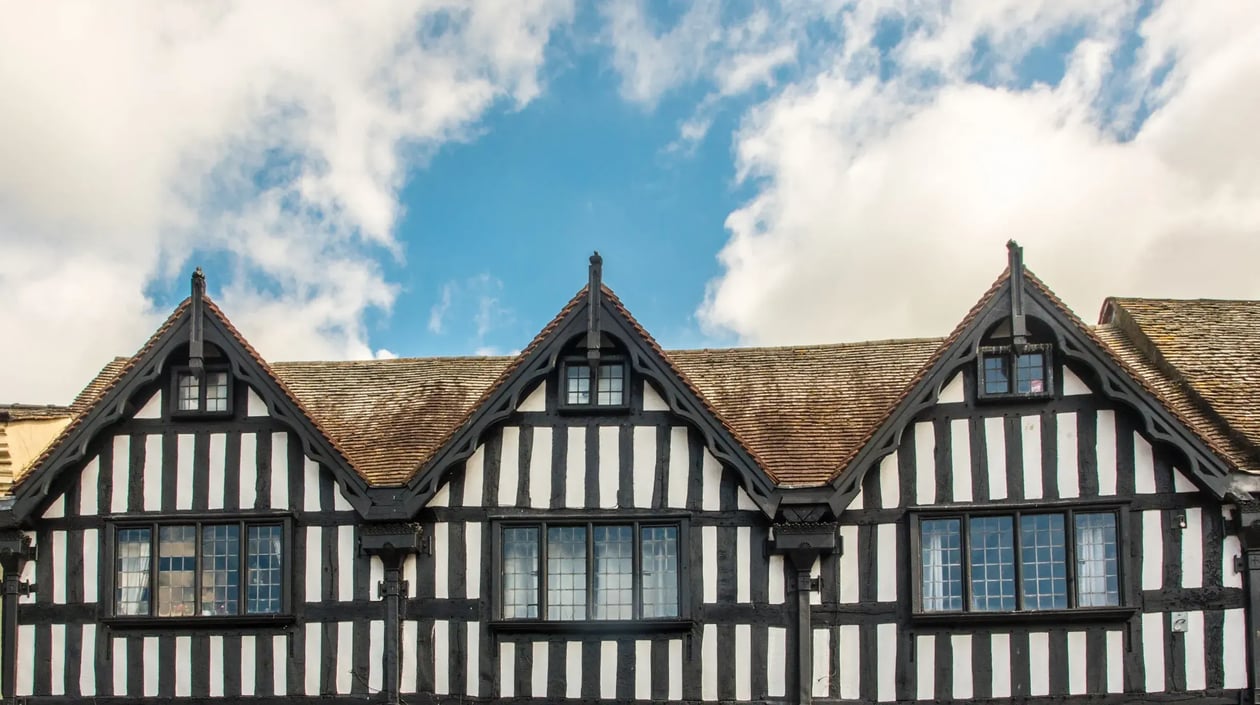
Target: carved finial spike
[1015, 255]
[198, 283]
[1019, 327]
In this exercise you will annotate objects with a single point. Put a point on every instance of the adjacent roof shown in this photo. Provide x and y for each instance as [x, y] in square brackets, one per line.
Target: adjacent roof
[1202, 357]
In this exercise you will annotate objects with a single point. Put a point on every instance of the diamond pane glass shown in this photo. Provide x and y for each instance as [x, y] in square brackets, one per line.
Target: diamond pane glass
[520, 573]
[131, 577]
[1097, 564]
[992, 563]
[220, 569]
[659, 565]
[566, 572]
[614, 572]
[941, 543]
[177, 571]
[265, 562]
[1044, 562]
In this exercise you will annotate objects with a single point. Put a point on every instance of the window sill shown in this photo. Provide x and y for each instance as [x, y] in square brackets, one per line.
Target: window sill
[1084, 614]
[620, 626]
[984, 398]
[207, 622]
[593, 409]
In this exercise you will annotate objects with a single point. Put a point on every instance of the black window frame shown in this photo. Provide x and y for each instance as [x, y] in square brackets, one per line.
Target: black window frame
[109, 572]
[1011, 354]
[636, 624]
[1126, 597]
[562, 387]
[201, 412]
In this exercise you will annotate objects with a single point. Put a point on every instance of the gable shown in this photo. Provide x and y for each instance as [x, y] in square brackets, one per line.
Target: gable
[1090, 367]
[541, 361]
[140, 393]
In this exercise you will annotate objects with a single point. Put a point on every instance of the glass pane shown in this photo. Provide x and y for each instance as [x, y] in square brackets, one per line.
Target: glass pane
[1097, 564]
[577, 384]
[996, 374]
[992, 563]
[660, 571]
[188, 392]
[566, 572]
[1030, 373]
[1044, 562]
[614, 572]
[131, 578]
[216, 391]
[220, 569]
[520, 573]
[941, 542]
[611, 385]
[265, 560]
[177, 571]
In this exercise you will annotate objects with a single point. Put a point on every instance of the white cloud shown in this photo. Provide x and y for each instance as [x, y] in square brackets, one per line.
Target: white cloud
[887, 179]
[135, 136]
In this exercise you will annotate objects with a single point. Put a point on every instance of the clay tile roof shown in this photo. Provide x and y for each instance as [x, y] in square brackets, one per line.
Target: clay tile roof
[32, 412]
[387, 416]
[804, 410]
[1203, 358]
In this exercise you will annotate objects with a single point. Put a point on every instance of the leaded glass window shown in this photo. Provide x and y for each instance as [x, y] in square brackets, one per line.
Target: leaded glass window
[209, 393]
[199, 569]
[1019, 561]
[590, 571]
[609, 388]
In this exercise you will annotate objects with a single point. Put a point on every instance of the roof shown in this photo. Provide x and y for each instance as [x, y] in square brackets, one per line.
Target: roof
[1202, 357]
[802, 412]
[388, 416]
[33, 412]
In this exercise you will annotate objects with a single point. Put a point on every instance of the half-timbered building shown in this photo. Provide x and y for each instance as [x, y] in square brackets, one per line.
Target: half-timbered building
[1029, 509]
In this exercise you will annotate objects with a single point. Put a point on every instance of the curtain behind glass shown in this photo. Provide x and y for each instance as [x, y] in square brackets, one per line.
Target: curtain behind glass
[131, 582]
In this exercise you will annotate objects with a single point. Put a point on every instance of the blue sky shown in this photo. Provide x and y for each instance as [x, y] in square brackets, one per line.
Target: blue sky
[427, 178]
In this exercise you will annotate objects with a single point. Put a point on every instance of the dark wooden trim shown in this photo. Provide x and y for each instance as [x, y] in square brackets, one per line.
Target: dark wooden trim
[643, 363]
[1209, 472]
[593, 626]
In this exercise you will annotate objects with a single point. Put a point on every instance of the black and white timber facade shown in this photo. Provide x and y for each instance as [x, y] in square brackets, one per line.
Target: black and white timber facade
[1027, 522]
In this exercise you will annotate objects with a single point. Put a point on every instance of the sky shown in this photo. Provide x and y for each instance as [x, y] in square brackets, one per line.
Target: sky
[379, 179]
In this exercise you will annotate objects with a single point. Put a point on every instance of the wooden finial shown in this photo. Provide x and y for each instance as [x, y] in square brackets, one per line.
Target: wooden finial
[1015, 256]
[196, 331]
[593, 296]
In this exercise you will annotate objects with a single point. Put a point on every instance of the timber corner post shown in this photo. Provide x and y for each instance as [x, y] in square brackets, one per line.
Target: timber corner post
[15, 551]
[1249, 533]
[392, 543]
[803, 538]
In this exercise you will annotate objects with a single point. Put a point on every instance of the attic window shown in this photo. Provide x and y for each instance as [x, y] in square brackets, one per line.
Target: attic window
[211, 394]
[609, 389]
[1022, 372]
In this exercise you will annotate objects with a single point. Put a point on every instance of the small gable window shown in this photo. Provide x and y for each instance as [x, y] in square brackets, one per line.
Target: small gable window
[608, 390]
[232, 569]
[208, 394]
[591, 571]
[1018, 562]
[1006, 371]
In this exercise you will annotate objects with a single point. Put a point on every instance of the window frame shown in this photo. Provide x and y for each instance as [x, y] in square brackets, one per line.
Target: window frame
[635, 624]
[1011, 355]
[201, 412]
[592, 406]
[1068, 510]
[109, 574]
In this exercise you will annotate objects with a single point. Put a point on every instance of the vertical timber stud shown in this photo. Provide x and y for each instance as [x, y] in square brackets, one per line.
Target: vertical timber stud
[803, 543]
[392, 543]
[196, 331]
[594, 294]
[1249, 520]
[15, 550]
